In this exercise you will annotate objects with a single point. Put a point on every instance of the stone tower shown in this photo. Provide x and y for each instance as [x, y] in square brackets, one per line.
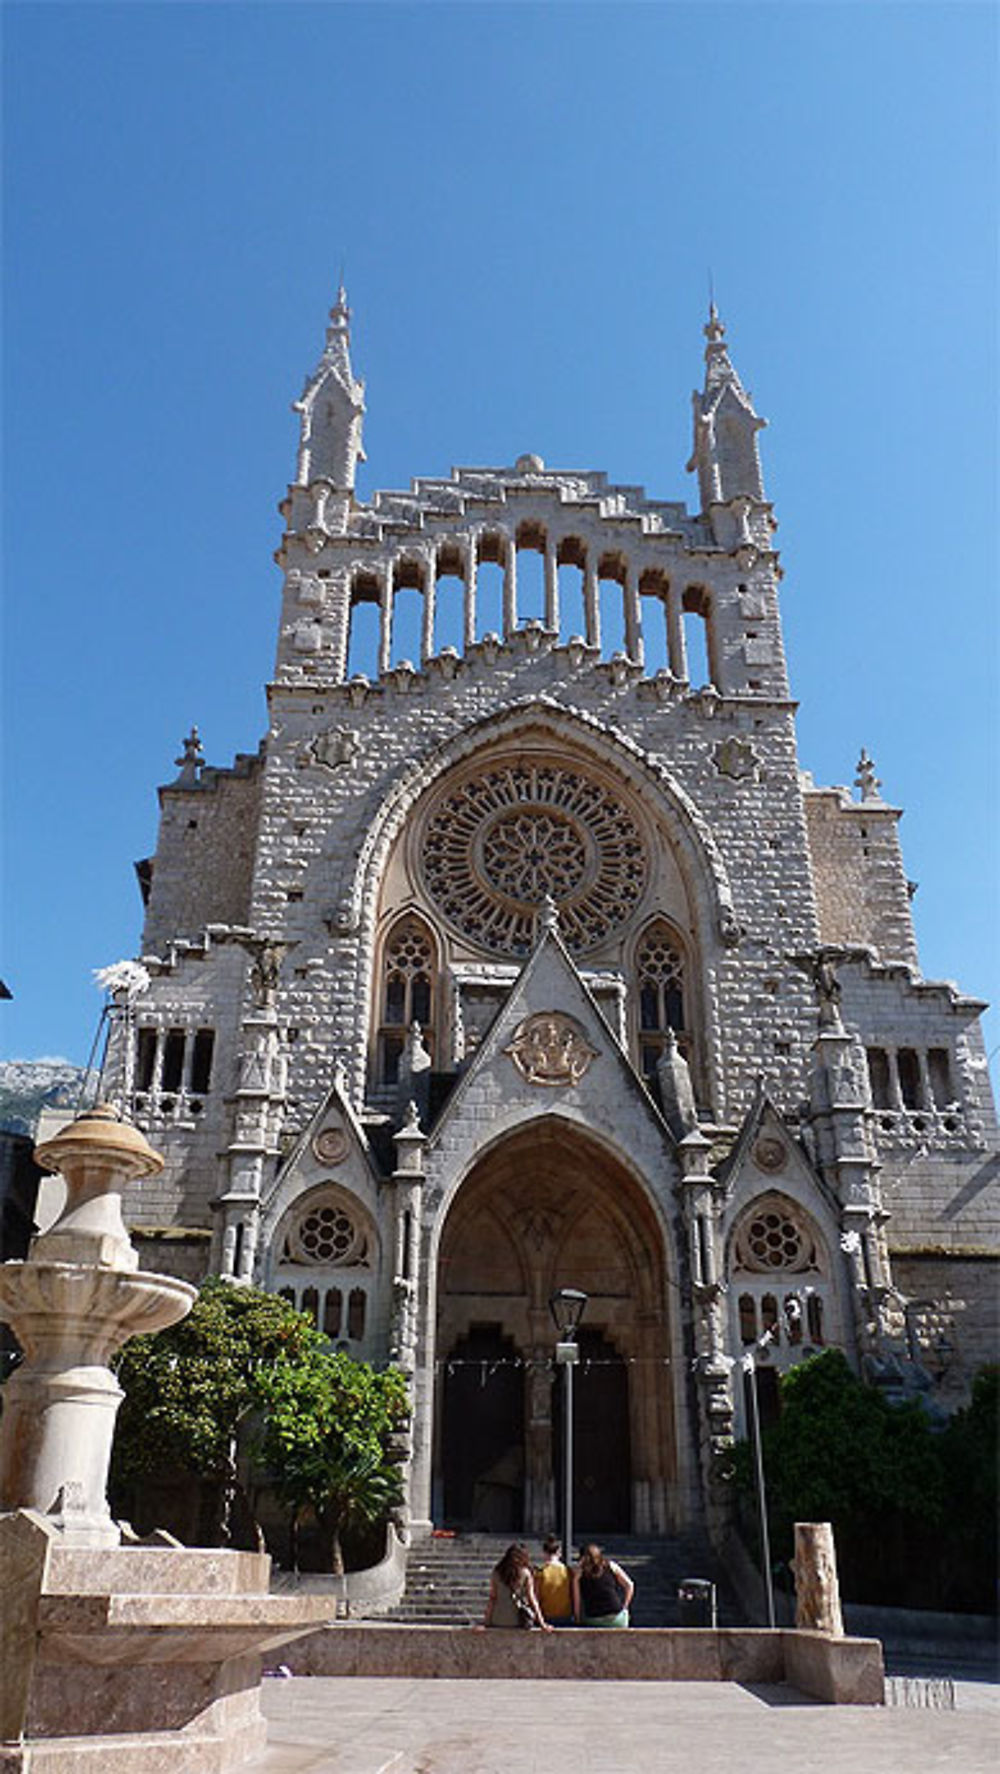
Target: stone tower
[522, 954]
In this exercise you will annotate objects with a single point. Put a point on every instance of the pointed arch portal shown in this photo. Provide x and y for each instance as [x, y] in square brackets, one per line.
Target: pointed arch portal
[549, 1207]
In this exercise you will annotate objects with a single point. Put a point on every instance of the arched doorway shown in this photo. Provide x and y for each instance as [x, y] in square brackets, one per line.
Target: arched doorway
[482, 1432]
[551, 1207]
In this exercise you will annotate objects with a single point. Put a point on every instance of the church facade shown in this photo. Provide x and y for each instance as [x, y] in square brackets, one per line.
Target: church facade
[527, 957]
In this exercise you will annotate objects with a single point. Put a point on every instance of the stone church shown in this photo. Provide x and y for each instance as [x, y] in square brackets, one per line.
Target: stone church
[522, 954]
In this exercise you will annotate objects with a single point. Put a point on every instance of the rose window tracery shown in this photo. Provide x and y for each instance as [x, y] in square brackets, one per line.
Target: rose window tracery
[328, 1235]
[497, 846]
[770, 1239]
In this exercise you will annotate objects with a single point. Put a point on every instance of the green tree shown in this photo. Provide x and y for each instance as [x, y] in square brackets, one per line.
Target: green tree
[910, 1503]
[325, 1441]
[187, 1389]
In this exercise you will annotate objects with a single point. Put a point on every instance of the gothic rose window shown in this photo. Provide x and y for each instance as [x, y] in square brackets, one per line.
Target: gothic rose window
[327, 1234]
[660, 995]
[507, 839]
[407, 992]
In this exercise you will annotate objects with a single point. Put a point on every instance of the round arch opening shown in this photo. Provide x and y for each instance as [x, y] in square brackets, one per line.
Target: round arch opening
[545, 1208]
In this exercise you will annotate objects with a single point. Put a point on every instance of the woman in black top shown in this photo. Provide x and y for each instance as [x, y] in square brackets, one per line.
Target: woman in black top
[602, 1591]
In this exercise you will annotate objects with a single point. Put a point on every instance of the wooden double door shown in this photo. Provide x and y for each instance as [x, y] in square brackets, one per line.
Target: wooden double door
[486, 1426]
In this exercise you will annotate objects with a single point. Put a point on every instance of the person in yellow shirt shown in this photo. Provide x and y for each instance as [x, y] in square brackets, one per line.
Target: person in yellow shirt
[552, 1584]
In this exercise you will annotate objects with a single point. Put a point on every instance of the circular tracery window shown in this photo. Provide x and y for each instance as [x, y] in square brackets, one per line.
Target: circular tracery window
[505, 840]
[326, 1234]
[771, 1239]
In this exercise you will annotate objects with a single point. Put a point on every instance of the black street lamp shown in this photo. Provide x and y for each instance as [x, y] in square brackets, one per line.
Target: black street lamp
[749, 1365]
[567, 1306]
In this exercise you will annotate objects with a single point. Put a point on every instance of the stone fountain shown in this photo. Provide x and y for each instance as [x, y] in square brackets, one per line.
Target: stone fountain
[118, 1656]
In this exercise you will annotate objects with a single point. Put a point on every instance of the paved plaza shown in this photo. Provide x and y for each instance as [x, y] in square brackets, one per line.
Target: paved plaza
[371, 1725]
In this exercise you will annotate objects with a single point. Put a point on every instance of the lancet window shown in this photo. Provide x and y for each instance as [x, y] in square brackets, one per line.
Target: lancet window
[407, 993]
[660, 994]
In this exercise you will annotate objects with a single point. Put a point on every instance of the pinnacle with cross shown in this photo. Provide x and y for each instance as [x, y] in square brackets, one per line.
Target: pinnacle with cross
[866, 779]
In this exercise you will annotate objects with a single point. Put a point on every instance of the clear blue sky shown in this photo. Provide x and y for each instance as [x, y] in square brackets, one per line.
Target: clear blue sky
[527, 200]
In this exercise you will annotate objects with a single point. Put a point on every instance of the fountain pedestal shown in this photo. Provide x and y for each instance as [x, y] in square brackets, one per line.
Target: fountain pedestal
[117, 1658]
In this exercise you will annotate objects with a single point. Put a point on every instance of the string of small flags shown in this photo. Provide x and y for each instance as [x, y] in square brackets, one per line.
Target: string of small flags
[451, 1365]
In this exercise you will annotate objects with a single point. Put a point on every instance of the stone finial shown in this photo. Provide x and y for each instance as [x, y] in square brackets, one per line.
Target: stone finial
[547, 917]
[409, 1141]
[714, 329]
[191, 761]
[331, 412]
[724, 451]
[866, 779]
[340, 313]
[676, 1089]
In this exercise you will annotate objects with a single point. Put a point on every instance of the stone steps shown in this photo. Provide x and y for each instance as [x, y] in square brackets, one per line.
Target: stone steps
[448, 1580]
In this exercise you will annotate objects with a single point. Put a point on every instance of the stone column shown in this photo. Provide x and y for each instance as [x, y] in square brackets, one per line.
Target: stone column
[471, 565]
[408, 1192]
[539, 1484]
[712, 1365]
[926, 1088]
[385, 620]
[551, 585]
[895, 1090]
[817, 1590]
[676, 646]
[592, 599]
[258, 1101]
[840, 1110]
[633, 615]
[430, 600]
[75, 1300]
[510, 589]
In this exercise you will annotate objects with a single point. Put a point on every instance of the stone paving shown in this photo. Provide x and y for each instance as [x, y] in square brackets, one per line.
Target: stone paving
[398, 1726]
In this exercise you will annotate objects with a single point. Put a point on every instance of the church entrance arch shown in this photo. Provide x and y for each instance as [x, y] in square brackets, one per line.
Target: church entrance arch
[551, 1207]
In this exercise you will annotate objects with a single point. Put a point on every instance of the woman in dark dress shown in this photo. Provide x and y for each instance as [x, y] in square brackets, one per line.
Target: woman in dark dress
[602, 1591]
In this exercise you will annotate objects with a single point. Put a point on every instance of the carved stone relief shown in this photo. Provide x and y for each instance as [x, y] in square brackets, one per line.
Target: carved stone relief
[550, 1048]
[736, 758]
[330, 1145]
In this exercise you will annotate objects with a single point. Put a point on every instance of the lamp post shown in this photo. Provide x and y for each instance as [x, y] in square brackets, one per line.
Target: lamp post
[750, 1379]
[567, 1306]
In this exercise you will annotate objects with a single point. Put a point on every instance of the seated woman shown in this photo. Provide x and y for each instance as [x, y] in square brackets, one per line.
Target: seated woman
[602, 1591]
[512, 1599]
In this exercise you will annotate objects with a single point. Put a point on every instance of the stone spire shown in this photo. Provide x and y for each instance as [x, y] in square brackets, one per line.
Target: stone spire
[725, 450]
[331, 410]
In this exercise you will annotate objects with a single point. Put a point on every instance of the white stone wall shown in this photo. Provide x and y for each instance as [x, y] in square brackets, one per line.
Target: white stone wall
[204, 855]
[861, 886]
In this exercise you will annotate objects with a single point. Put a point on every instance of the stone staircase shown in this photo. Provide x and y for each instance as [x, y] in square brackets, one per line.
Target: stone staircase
[448, 1580]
